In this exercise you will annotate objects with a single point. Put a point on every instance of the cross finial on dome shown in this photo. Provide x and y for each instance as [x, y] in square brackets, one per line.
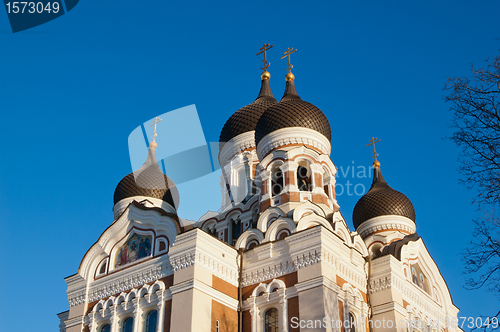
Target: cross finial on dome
[153, 143]
[374, 140]
[289, 76]
[265, 75]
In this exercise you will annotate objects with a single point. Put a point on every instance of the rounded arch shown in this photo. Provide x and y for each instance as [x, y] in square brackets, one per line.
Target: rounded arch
[342, 231]
[158, 285]
[311, 221]
[247, 236]
[131, 295]
[275, 284]
[277, 226]
[121, 298]
[108, 303]
[260, 288]
[209, 224]
[98, 306]
[143, 291]
[308, 208]
[360, 245]
[272, 212]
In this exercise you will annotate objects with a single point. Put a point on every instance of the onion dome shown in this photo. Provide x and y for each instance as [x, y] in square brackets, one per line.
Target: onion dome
[245, 119]
[292, 111]
[148, 181]
[381, 200]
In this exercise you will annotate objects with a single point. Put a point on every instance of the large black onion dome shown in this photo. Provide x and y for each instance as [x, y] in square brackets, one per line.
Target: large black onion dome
[292, 111]
[148, 181]
[245, 119]
[381, 200]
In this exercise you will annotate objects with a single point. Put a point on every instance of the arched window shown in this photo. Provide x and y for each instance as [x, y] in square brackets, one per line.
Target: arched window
[351, 325]
[277, 183]
[271, 320]
[103, 268]
[252, 244]
[304, 176]
[106, 328]
[128, 325]
[282, 234]
[326, 181]
[151, 321]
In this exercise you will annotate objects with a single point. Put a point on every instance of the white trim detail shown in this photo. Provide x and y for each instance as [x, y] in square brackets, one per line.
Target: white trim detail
[236, 145]
[386, 222]
[293, 135]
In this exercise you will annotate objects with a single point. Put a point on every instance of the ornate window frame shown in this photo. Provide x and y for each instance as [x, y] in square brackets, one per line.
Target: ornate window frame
[265, 297]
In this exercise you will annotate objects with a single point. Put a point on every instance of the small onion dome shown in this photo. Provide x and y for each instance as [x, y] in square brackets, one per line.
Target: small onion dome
[148, 181]
[245, 119]
[381, 200]
[292, 111]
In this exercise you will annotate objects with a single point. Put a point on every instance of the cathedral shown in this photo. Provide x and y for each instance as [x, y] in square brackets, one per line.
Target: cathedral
[278, 255]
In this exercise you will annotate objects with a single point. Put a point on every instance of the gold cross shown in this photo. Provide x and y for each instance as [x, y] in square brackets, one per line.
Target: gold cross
[287, 53]
[263, 50]
[372, 142]
[155, 121]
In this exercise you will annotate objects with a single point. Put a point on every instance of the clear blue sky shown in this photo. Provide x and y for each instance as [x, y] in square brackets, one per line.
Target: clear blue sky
[72, 90]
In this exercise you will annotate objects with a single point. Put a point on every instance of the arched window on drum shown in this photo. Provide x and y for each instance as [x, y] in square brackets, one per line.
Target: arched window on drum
[304, 176]
[327, 183]
[277, 181]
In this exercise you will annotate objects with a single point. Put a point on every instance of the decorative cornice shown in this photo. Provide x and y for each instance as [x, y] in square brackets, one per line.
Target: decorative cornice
[236, 145]
[305, 250]
[382, 223]
[293, 135]
[129, 278]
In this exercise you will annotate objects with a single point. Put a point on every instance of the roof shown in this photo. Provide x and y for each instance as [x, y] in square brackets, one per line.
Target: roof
[246, 118]
[395, 247]
[292, 111]
[381, 200]
[148, 181]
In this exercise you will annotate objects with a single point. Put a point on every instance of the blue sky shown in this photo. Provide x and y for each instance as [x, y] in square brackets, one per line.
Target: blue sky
[75, 88]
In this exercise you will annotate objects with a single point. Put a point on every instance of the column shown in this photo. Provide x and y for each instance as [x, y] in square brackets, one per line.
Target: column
[161, 311]
[137, 314]
[114, 319]
[284, 310]
[289, 170]
[317, 179]
[254, 314]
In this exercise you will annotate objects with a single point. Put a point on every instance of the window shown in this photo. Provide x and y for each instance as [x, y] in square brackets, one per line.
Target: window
[282, 234]
[162, 245]
[304, 176]
[271, 320]
[103, 268]
[277, 183]
[217, 326]
[252, 244]
[106, 328]
[351, 326]
[128, 325]
[151, 321]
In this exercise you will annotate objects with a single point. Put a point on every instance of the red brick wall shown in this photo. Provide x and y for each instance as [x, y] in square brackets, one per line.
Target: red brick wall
[247, 321]
[293, 311]
[168, 315]
[224, 287]
[228, 318]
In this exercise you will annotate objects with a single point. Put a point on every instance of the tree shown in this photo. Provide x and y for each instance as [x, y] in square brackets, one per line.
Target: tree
[475, 106]
[476, 120]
